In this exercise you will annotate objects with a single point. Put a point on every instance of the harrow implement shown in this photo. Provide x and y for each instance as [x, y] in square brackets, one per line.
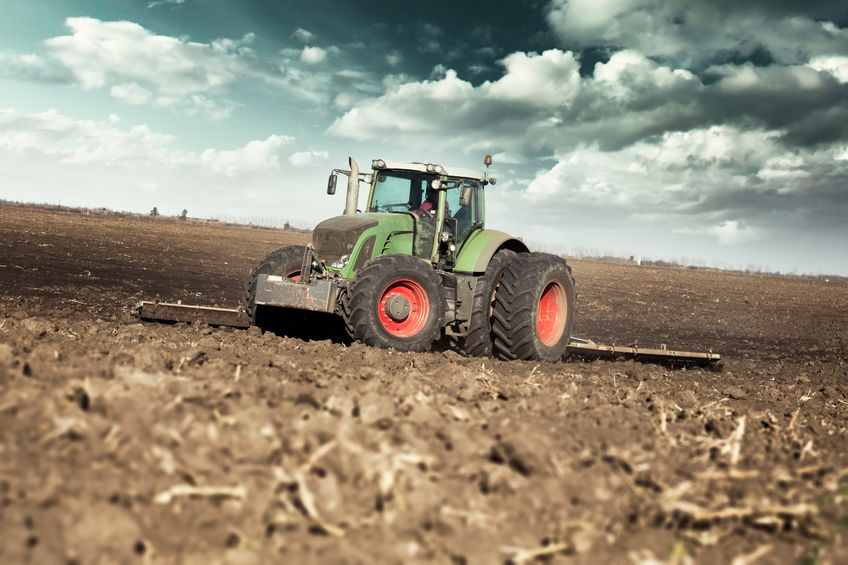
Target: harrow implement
[586, 348]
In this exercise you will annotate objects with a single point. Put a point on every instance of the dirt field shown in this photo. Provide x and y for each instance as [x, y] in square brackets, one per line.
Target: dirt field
[135, 442]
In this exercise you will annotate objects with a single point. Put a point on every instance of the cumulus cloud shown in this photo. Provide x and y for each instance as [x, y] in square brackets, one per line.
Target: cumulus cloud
[141, 67]
[540, 102]
[313, 55]
[34, 68]
[835, 65]
[702, 30]
[303, 35]
[131, 93]
[98, 52]
[306, 158]
[543, 102]
[257, 155]
[71, 141]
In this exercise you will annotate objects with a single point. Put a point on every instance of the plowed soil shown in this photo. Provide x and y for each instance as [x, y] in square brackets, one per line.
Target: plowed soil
[131, 442]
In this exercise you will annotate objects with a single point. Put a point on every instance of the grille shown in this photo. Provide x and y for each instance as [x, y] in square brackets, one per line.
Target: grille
[337, 236]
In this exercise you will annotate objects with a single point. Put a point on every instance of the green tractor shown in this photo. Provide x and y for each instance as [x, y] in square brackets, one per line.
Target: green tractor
[417, 264]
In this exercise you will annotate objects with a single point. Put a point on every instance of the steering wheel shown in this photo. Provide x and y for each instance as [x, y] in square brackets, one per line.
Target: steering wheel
[397, 207]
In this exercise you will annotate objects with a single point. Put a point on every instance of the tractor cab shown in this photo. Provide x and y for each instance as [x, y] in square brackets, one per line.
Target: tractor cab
[445, 206]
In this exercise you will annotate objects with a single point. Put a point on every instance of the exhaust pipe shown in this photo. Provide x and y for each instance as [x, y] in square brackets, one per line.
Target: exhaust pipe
[352, 188]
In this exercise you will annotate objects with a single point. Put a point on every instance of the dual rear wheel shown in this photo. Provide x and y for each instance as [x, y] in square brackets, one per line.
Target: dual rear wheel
[534, 309]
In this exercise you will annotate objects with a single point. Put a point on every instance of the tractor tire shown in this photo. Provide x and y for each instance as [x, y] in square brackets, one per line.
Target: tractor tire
[284, 262]
[478, 341]
[344, 310]
[534, 309]
[396, 301]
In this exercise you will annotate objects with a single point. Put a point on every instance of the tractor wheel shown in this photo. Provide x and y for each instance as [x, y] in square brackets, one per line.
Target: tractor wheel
[478, 340]
[344, 310]
[285, 262]
[534, 309]
[397, 301]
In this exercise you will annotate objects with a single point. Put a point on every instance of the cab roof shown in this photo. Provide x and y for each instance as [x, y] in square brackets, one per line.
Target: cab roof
[433, 168]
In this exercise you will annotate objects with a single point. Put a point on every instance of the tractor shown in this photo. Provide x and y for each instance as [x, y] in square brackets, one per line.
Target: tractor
[417, 265]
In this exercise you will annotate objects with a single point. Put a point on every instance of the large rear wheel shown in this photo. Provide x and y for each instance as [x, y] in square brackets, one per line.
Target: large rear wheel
[478, 340]
[534, 310]
[396, 301]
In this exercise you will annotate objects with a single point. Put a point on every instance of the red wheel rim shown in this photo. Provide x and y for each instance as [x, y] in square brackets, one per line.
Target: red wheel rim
[550, 318]
[418, 308]
[295, 275]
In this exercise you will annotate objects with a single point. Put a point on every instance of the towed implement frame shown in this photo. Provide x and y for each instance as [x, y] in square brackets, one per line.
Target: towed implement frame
[170, 312]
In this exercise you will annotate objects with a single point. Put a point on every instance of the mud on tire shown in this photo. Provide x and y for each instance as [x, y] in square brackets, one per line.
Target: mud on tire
[534, 309]
[479, 340]
[396, 301]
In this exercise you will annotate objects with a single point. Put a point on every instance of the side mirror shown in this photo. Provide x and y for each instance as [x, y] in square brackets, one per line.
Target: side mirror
[465, 194]
[331, 183]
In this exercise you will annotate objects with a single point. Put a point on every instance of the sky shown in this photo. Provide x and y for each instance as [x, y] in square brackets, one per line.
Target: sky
[705, 132]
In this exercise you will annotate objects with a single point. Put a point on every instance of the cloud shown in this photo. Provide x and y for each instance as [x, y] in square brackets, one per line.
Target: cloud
[98, 52]
[541, 102]
[141, 67]
[71, 141]
[33, 68]
[131, 93]
[306, 158]
[258, 155]
[729, 232]
[702, 30]
[835, 65]
[50, 156]
[154, 3]
[313, 55]
[303, 35]
[394, 58]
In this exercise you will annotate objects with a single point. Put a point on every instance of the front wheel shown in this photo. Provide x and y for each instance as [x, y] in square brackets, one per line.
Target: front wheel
[285, 262]
[534, 310]
[396, 301]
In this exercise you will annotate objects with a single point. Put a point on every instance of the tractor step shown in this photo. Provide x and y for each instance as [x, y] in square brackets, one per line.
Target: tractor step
[179, 312]
[588, 348]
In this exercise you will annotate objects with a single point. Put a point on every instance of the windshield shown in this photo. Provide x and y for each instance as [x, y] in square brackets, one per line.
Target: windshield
[399, 191]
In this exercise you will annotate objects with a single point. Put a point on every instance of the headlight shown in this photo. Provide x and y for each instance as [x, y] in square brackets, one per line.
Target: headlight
[378, 164]
[340, 262]
[433, 168]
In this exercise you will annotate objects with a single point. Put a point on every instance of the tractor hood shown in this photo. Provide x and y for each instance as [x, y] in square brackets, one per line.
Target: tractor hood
[337, 236]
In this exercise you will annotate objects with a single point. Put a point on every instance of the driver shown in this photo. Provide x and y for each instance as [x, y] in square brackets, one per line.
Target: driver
[430, 204]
